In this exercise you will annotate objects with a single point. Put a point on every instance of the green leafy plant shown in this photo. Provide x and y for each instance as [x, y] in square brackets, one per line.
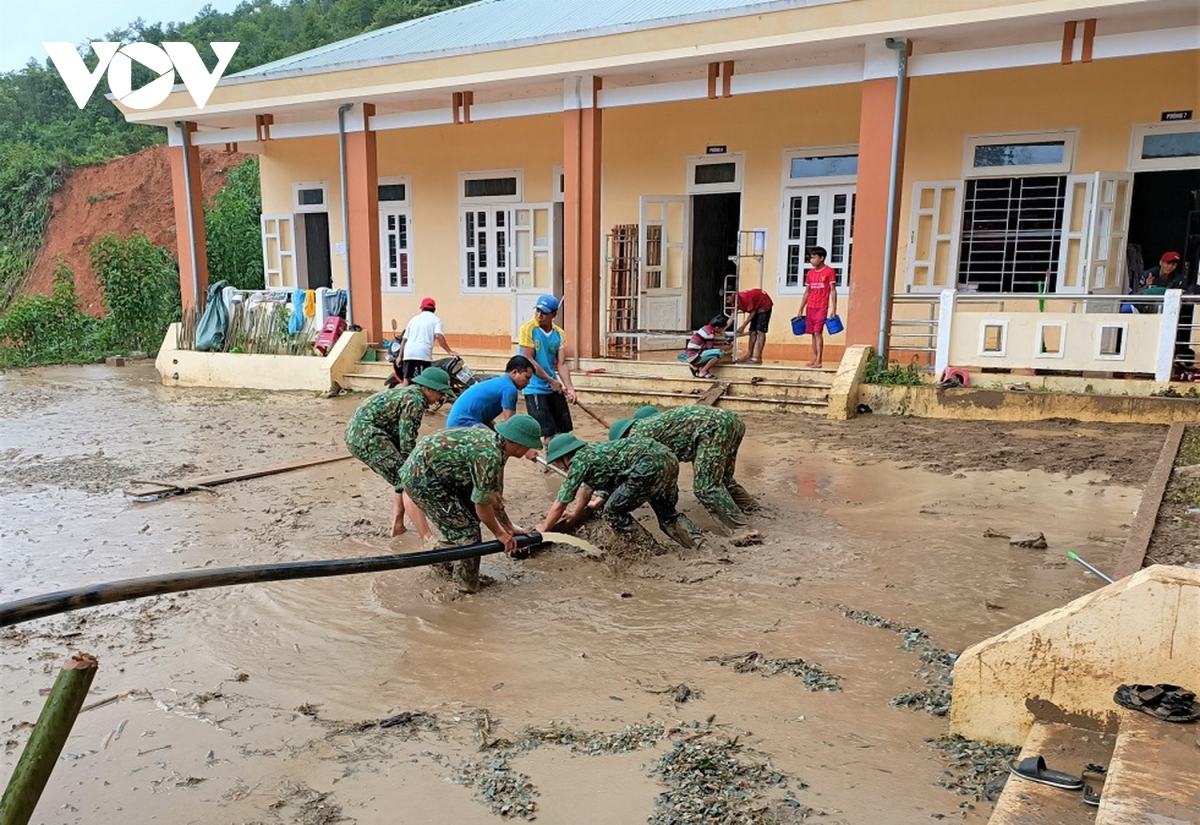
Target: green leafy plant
[893, 374]
[231, 226]
[141, 290]
[49, 329]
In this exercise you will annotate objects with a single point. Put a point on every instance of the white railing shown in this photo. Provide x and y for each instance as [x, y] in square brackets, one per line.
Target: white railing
[1141, 334]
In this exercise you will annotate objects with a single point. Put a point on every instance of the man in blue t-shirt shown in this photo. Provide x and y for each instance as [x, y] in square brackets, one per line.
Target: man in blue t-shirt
[495, 398]
[550, 390]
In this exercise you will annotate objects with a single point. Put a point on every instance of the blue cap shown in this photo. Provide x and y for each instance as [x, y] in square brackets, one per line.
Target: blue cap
[547, 303]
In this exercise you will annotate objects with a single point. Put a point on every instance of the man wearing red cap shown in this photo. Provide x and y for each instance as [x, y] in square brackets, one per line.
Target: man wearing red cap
[1159, 279]
[416, 350]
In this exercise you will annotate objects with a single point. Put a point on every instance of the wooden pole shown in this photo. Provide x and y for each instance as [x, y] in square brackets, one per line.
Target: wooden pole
[37, 607]
[41, 752]
[597, 418]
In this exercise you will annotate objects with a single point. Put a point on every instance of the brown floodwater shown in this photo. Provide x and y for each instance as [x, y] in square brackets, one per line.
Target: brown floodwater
[211, 731]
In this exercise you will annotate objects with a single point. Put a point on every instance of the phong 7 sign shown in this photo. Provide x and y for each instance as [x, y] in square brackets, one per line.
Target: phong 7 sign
[164, 60]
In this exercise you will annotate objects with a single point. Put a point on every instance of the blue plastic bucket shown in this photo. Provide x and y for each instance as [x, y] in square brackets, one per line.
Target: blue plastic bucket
[798, 326]
[834, 325]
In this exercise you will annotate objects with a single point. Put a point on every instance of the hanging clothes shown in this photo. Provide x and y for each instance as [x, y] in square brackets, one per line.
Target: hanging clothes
[310, 303]
[296, 322]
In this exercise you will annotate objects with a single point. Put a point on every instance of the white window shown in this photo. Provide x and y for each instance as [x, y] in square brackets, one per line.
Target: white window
[395, 234]
[1165, 146]
[1011, 233]
[1110, 341]
[279, 251]
[818, 210]
[993, 338]
[715, 173]
[486, 239]
[1051, 339]
[1029, 153]
[310, 196]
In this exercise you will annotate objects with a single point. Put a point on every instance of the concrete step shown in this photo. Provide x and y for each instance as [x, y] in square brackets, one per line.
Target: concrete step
[1154, 775]
[1067, 749]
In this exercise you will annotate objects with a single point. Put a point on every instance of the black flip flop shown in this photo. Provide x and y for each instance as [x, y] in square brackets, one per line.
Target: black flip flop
[1091, 795]
[1169, 703]
[1034, 769]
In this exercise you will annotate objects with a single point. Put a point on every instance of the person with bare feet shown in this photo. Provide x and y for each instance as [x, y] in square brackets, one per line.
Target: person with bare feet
[756, 307]
[456, 477]
[383, 430]
[819, 301]
[707, 346]
[617, 477]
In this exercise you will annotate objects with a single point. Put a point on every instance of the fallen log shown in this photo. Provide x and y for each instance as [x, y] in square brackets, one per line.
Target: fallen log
[63, 601]
[156, 491]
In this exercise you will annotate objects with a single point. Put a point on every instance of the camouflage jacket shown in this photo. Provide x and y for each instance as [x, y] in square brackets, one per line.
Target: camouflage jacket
[396, 412]
[603, 466]
[461, 459]
[682, 429]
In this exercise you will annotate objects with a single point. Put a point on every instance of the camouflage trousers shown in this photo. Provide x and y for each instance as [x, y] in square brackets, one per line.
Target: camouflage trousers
[453, 514]
[650, 482]
[713, 483]
[378, 451]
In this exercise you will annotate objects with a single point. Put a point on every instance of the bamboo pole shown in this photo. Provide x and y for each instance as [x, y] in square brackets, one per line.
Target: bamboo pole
[41, 752]
[598, 419]
[50, 604]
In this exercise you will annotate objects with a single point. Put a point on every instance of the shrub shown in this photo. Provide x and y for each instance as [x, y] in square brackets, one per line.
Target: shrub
[49, 329]
[894, 374]
[141, 290]
[232, 228]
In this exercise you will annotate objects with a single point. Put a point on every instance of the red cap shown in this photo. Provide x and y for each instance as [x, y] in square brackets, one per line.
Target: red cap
[1169, 257]
[428, 303]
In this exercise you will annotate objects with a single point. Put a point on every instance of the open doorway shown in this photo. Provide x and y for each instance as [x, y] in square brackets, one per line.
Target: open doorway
[317, 268]
[715, 223]
[1159, 216]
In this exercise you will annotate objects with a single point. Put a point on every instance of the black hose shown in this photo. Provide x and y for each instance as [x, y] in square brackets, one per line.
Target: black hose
[37, 607]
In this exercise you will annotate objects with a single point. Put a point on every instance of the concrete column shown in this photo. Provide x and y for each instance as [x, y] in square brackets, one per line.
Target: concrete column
[868, 267]
[362, 200]
[944, 329]
[191, 283]
[582, 238]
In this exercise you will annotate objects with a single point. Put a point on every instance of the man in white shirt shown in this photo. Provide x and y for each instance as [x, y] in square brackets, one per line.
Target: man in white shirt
[416, 350]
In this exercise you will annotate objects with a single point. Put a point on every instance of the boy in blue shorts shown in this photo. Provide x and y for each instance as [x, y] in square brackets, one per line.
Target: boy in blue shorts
[495, 398]
[549, 391]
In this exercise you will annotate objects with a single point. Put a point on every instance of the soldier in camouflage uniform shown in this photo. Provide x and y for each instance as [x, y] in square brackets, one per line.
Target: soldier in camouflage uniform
[456, 477]
[383, 430]
[707, 437]
[619, 476]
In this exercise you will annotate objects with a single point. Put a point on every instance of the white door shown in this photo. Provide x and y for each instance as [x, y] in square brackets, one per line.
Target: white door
[1073, 240]
[934, 235]
[486, 248]
[818, 216]
[662, 242]
[1109, 226]
[532, 259]
[279, 251]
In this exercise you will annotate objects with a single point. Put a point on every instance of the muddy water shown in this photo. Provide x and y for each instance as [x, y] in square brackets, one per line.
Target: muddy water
[560, 638]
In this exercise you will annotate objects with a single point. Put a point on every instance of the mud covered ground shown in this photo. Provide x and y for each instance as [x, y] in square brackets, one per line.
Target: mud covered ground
[1176, 539]
[799, 680]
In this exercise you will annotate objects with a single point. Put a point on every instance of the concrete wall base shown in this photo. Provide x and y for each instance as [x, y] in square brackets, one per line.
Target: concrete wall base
[188, 368]
[1064, 665]
[1002, 405]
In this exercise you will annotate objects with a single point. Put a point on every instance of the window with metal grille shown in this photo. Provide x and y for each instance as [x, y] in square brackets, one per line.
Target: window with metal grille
[1011, 231]
[485, 249]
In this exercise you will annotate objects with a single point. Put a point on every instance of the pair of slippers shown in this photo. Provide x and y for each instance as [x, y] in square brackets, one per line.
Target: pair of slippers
[1169, 703]
[1034, 769]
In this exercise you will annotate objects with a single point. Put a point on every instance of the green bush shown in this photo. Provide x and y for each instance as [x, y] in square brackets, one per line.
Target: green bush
[49, 329]
[232, 227]
[894, 374]
[141, 290]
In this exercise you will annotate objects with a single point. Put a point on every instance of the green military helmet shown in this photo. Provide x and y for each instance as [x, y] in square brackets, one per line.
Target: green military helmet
[645, 412]
[434, 378]
[521, 429]
[562, 445]
[619, 428]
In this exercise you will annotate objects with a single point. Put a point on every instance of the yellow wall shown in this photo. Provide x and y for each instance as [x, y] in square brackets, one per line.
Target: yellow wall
[1102, 100]
[646, 148]
[432, 157]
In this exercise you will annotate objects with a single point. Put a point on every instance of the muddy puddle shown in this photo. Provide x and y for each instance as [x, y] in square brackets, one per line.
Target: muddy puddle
[263, 703]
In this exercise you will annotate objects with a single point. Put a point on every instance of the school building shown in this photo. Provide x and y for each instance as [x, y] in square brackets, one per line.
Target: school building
[645, 158]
